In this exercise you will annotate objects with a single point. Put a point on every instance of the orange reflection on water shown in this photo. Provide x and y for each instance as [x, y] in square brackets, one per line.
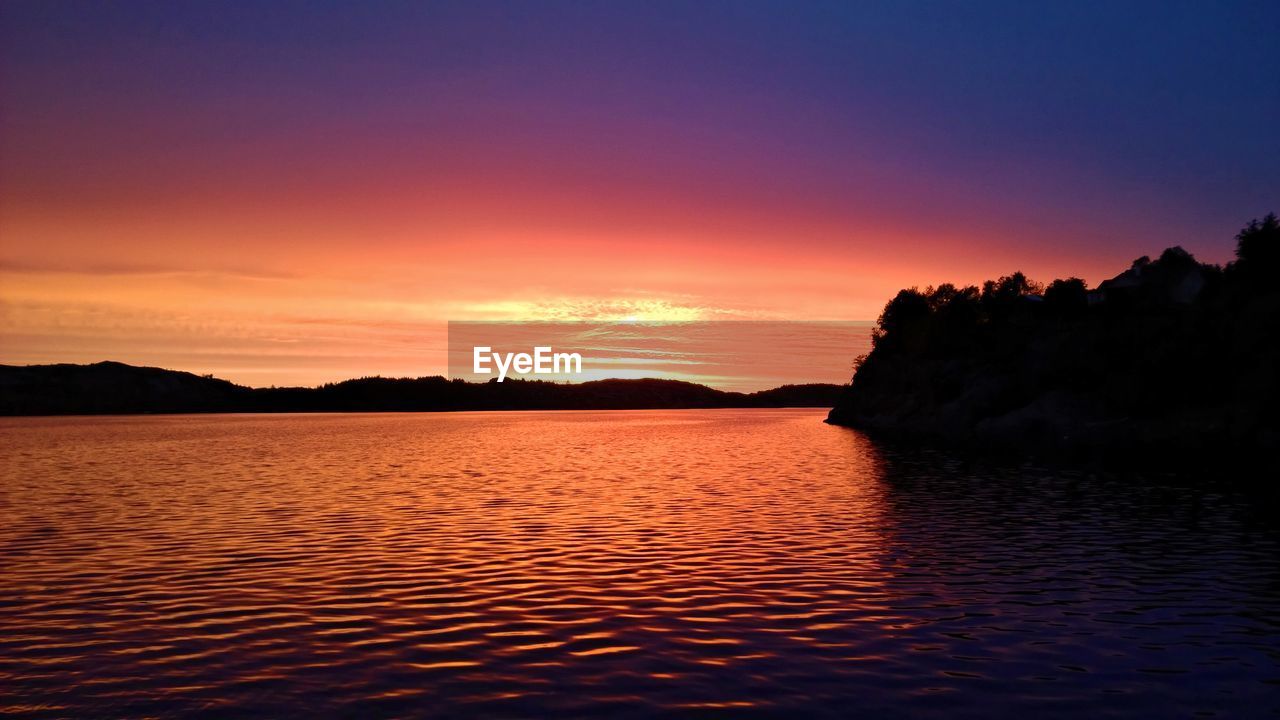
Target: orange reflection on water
[481, 550]
[579, 563]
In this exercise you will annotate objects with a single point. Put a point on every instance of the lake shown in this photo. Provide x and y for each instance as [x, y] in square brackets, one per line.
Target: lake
[687, 562]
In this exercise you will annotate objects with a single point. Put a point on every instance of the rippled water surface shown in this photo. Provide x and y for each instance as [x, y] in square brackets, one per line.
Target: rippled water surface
[623, 563]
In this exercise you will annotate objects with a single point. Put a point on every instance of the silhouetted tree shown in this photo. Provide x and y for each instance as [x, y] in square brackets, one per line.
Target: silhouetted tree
[1175, 258]
[1004, 299]
[1066, 296]
[1178, 357]
[1009, 287]
[905, 319]
[956, 314]
[1258, 244]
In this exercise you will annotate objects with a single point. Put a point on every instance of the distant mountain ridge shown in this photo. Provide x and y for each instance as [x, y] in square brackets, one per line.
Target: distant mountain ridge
[117, 388]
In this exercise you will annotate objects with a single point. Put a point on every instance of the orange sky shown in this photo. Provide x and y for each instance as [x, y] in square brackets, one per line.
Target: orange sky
[283, 297]
[286, 198]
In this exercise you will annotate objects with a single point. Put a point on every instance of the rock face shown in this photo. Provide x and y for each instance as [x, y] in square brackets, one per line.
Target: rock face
[1172, 360]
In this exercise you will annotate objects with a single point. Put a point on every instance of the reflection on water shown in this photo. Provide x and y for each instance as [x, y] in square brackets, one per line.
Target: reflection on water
[519, 564]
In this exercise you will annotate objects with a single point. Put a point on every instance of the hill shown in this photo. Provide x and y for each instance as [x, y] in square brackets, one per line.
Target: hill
[116, 388]
[1171, 359]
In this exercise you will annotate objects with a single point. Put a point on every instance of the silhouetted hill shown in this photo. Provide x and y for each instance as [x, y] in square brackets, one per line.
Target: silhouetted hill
[116, 388]
[1171, 359]
[110, 387]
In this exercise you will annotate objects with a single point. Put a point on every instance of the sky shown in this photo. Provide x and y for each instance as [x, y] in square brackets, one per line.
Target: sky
[734, 355]
[297, 192]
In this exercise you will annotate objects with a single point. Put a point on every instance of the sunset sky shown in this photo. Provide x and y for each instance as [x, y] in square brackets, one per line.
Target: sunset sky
[291, 193]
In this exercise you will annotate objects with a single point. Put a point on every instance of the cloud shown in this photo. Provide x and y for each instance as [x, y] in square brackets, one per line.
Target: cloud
[600, 309]
[84, 267]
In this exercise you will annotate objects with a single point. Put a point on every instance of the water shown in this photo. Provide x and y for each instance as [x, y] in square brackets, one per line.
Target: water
[578, 563]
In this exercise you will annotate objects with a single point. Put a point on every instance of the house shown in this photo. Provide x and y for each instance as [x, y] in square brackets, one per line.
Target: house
[1176, 278]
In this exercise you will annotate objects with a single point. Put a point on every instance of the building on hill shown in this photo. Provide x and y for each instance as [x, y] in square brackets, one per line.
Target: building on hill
[1174, 279]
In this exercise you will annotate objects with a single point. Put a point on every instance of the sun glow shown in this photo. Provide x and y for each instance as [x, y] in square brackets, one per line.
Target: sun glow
[601, 310]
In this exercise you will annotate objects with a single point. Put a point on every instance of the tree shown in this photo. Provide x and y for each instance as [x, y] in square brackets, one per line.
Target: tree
[1009, 287]
[906, 315]
[1066, 295]
[1005, 299]
[1258, 244]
